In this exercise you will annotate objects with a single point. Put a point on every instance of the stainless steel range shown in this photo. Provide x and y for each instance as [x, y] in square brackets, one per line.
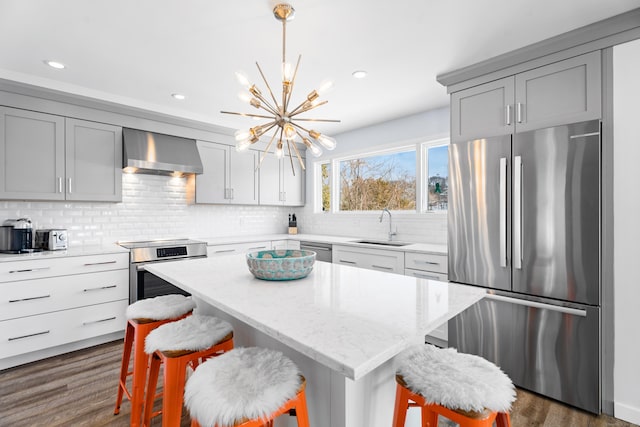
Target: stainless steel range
[143, 284]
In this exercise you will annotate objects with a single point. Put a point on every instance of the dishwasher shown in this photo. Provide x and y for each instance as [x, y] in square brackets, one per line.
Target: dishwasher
[322, 250]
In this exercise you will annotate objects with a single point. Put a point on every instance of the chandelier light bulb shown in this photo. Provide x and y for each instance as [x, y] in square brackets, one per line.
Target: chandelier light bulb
[289, 131]
[314, 149]
[279, 151]
[242, 134]
[326, 141]
[287, 72]
[325, 87]
[243, 79]
[245, 97]
[243, 145]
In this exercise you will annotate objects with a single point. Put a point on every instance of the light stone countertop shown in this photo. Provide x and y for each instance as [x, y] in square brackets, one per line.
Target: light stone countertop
[433, 248]
[72, 251]
[349, 319]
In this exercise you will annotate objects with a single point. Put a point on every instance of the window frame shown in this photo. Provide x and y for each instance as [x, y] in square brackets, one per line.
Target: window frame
[421, 148]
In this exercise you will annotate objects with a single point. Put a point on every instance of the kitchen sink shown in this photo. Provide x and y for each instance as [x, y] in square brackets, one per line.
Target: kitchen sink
[381, 242]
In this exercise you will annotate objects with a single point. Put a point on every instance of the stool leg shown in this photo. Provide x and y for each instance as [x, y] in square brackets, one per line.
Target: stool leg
[302, 413]
[429, 418]
[152, 384]
[503, 420]
[172, 398]
[124, 368]
[402, 404]
[140, 366]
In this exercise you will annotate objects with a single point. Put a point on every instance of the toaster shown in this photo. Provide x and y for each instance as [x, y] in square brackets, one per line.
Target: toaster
[51, 240]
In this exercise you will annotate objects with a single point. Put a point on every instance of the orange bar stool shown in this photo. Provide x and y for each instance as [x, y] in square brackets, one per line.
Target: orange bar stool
[177, 345]
[464, 388]
[142, 317]
[246, 387]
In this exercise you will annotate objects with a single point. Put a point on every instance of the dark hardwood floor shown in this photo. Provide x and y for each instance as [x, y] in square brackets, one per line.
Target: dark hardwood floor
[78, 389]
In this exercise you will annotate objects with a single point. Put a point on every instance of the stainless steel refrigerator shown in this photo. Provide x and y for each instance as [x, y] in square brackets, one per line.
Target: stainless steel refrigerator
[524, 222]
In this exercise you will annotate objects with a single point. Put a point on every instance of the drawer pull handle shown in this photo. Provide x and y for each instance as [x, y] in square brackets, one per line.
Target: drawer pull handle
[425, 276]
[257, 247]
[224, 251]
[344, 261]
[382, 267]
[99, 263]
[426, 262]
[100, 288]
[98, 321]
[30, 298]
[28, 270]
[28, 336]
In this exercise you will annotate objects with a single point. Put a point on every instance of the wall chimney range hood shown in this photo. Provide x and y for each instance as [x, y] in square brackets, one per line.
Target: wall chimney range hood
[158, 154]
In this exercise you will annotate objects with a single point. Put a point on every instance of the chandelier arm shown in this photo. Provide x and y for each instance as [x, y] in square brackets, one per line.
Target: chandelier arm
[303, 109]
[293, 82]
[266, 150]
[295, 148]
[293, 170]
[266, 105]
[265, 128]
[319, 120]
[264, 79]
[260, 116]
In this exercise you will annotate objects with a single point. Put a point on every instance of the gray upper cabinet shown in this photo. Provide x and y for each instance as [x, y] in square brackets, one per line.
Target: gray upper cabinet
[48, 157]
[31, 155]
[229, 176]
[278, 184]
[563, 92]
[93, 161]
[481, 111]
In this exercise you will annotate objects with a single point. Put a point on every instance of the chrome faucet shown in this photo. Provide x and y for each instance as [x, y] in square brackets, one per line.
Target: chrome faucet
[391, 233]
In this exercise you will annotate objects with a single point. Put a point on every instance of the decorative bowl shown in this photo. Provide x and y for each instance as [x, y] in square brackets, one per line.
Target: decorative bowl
[281, 264]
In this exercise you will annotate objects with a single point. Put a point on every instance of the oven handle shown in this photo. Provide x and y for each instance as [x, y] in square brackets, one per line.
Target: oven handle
[140, 267]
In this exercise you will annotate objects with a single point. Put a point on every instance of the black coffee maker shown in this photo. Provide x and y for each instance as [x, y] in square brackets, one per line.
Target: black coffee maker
[16, 236]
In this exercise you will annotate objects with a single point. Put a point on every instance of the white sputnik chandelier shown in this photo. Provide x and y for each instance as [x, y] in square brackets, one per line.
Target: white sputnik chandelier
[280, 116]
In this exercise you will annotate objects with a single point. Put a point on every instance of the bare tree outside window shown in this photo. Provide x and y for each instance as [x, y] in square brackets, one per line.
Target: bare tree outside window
[325, 176]
[438, 178]
[378, 182]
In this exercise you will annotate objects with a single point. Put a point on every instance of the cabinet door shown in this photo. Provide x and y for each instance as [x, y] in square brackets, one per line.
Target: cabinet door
[564, 92]
[93, 161]
[483, 111]
[31, 155]
[270, 193]
[243, 176]
[212, 184]
[292, 186]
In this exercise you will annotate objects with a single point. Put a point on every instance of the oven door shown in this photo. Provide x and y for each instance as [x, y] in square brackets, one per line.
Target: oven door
[147, 285]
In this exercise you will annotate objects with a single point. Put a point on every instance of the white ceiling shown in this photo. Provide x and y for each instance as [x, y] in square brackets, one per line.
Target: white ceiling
[140, 52]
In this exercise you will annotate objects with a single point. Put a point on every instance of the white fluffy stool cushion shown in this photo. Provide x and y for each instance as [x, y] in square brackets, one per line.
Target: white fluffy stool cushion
[456, 380]
[194, 333]
[242, 383]
[161, 308]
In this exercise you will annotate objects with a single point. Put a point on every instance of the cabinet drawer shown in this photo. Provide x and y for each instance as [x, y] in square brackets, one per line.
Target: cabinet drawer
[51, 267]
[27, 334]
[373, 259]
[238, 248]
[421, 274]
[426, 262]
[31, 297]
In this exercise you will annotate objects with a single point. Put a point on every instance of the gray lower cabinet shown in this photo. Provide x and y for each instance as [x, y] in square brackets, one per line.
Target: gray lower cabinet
[278, 184]
[563, 92]
[49, 157]
[229, 177]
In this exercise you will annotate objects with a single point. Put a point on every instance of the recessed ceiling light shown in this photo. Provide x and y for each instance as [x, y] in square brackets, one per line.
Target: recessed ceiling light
[359, 74]
[55, 64]
[178, 96]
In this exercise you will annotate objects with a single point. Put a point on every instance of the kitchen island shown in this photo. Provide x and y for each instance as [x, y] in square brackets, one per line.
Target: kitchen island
[343, 326]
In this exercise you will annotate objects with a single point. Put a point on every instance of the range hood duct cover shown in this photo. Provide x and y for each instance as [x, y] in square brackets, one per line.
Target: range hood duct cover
[158, 154]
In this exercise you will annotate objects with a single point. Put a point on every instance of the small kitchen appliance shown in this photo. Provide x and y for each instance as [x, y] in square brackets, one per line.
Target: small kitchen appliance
[16, 236]
[51, 239]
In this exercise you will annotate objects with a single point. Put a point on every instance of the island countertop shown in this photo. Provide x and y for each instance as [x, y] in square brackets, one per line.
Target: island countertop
[349, 319]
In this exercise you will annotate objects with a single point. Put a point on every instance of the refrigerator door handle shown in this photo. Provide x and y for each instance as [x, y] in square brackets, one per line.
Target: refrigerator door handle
[534, 304]
[503, 211]
[517, 212]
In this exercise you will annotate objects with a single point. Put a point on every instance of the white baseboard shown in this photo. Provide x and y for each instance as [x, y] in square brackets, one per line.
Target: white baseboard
[627, 413]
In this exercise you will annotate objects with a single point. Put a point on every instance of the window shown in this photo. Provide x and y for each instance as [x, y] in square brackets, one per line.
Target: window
[379, 181]
[437, 177]
[411, 178]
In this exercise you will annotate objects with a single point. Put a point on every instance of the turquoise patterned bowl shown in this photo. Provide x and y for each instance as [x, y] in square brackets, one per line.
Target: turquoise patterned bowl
[285, 264]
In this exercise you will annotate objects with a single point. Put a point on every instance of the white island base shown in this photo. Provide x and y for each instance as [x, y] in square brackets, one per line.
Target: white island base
[343, 326]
